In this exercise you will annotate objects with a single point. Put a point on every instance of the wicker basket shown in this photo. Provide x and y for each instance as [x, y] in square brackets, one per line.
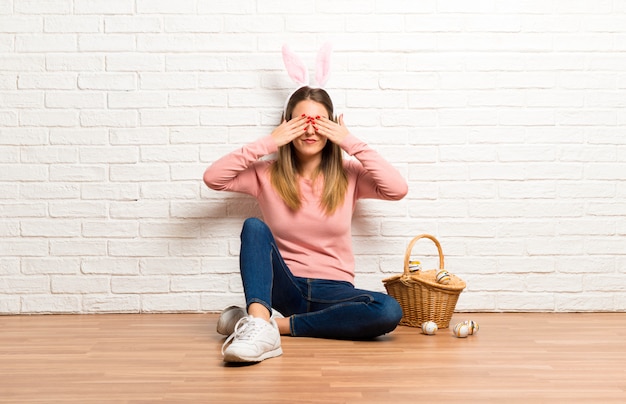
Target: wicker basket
[421, 297]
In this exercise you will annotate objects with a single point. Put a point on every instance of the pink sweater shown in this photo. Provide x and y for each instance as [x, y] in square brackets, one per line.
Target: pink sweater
[313, 244]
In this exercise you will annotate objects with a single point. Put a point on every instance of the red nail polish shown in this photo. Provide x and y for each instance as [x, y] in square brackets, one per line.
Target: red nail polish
[303, 115]
[317, 117]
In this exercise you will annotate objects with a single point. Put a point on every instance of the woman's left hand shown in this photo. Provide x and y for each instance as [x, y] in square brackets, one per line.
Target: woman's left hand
[335, 132]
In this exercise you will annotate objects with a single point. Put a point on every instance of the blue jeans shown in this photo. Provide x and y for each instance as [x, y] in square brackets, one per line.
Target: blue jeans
[316, 307]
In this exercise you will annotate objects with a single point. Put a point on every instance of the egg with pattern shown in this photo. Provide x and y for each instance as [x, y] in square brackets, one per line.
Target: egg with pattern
[429, 327]
[443, 277]
[460, 330]
[472, 326]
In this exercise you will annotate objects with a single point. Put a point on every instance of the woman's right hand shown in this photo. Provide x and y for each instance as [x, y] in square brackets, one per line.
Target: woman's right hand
[289, 130]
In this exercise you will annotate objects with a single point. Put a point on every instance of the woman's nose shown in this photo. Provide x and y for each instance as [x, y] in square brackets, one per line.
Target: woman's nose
[311, 128]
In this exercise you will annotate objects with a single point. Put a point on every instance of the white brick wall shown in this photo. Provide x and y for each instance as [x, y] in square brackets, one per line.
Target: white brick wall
[507, 118]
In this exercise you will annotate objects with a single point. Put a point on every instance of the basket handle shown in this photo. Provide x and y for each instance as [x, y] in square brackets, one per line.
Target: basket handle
[407, 254]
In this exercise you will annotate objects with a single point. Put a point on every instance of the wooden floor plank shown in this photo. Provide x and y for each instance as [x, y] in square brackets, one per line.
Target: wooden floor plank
[170, 358]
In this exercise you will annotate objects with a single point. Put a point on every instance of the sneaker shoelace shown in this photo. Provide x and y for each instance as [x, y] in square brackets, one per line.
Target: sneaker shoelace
[245, 329]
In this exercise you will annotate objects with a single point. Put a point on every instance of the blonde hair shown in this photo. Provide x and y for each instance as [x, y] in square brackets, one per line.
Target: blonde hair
[284, 171]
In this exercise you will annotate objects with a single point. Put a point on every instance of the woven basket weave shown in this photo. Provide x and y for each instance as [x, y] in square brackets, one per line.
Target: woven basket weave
[421, 297]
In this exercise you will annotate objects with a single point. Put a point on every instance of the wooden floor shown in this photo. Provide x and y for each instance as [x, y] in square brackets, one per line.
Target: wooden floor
[171, 358]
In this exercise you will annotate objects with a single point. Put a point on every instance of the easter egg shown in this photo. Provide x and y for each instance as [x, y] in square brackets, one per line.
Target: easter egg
[415, 266]
[460, 330]
[472, 326]
[429, 328]
[443, 277]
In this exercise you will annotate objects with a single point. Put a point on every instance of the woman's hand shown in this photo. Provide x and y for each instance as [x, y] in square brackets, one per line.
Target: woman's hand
[289, 130]
[335, 132]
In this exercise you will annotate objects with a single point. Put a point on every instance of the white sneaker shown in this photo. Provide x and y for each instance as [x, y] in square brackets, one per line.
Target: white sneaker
[228, 319]
[254, 340]
[231, 315]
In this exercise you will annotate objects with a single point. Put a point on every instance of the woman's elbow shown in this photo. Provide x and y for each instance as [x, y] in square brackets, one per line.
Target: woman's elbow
[209, 180]
[402, 191]
[395, 193]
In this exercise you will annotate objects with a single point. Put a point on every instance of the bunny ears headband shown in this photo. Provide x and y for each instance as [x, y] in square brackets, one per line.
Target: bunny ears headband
[299, 73]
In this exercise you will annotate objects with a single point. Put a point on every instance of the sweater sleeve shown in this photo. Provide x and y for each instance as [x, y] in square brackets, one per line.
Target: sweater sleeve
[237, 171]
[376, 178]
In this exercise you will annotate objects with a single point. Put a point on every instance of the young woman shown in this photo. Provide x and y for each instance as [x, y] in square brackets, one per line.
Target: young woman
[297, 265]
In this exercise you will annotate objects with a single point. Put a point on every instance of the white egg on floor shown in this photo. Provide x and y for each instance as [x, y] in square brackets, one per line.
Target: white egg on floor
[460, 330]
[429, 328]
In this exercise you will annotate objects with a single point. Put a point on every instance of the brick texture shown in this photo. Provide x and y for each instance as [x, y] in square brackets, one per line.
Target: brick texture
[507, 119]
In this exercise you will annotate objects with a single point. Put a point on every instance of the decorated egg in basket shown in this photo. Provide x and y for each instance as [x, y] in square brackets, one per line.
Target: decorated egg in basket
[443, 277]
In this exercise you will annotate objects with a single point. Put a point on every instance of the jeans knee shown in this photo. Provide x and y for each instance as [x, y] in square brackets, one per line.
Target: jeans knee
[253, 223]
[253, 226]
[391, 312]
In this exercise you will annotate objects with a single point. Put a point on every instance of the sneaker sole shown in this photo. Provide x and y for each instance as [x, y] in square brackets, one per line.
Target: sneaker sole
[229, 357]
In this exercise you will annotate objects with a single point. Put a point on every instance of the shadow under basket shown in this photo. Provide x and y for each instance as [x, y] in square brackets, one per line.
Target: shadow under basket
[421, 297]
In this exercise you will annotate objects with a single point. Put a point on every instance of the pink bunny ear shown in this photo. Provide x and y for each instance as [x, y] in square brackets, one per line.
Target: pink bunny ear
[296, 69]
[322, 65]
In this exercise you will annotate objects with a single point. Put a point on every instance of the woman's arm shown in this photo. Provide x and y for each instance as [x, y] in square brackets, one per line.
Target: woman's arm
[234, 172]
[376, 177]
